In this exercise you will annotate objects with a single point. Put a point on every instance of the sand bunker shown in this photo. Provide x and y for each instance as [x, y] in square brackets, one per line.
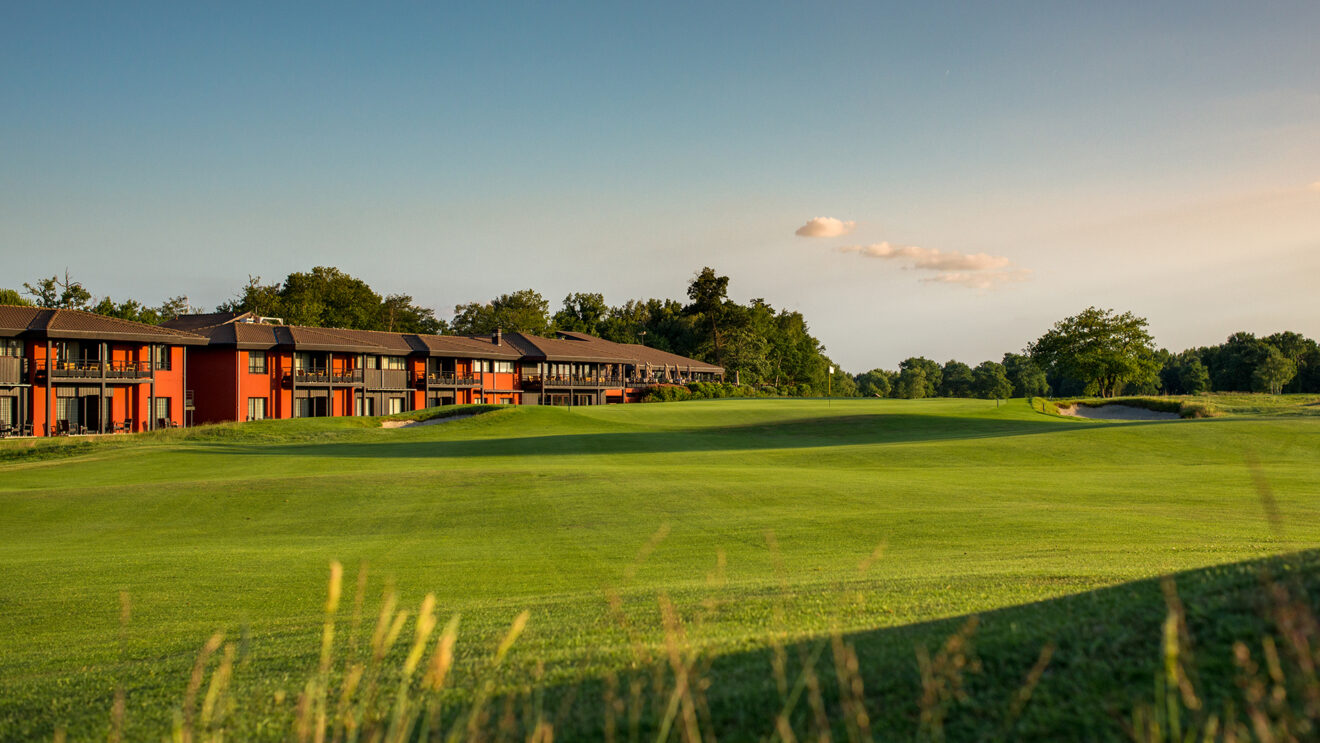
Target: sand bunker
[430, 422]
[1116, 413]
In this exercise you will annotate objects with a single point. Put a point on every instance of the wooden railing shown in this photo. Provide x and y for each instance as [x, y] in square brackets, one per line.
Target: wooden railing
[85, 369]
[321, 375]
[441, 379]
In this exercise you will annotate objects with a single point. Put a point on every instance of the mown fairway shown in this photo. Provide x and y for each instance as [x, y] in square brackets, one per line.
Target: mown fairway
[770, 514]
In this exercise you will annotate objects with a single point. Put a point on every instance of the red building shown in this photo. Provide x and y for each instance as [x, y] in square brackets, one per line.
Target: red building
[67, 371]
[253, 368]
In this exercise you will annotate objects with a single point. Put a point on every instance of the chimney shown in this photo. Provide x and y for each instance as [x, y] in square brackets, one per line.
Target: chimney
[499, 337]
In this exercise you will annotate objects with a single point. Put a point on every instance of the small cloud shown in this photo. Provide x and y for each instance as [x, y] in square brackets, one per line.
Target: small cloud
[1315, 186]
[980, 280]
[974, 270]
[825, 227]
[930, 259]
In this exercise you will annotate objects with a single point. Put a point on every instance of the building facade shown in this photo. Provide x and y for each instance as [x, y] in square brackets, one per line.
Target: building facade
[73, 372]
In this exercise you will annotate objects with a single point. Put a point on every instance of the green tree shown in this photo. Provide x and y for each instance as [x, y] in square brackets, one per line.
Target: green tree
[1027, 378]
[990, 381]
[708, 292]
[918, 377]
[398, 314]
[54, 293]
[524, 311]
[875, 383]
[329, 298]
[11, 297]
[1102, 350]
[955, 380]
[260, 299]
[1273, 371]
[583, 313]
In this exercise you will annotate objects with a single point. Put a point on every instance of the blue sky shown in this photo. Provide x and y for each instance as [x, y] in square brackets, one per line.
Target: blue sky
[1164, 159]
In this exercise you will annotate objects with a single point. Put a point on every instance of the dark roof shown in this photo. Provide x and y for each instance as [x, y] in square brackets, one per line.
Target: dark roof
[473, 346]
[204, 320]
[572, 346]
[53, 324]
[259, 336]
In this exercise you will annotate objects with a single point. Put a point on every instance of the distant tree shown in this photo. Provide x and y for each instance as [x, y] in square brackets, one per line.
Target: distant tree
[173, 307]
[582, 313]
[524, 311]
[260, 299]
[875, 383]
[1027, 378]
[9, 296]
[1184, 374]
[708, 292]
[918, 377]
[1273, 371]
[955, 380]
[1233, 362]
[329, 298]
[54, 293]
[990, 382]
[1298, 349]
[1104, 351]
[398, 314]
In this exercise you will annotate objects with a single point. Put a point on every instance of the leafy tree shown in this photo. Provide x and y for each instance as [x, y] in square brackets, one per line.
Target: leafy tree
[1027, 378]
[875, 383]
[918, 377]
[54, 293]
[524, 311]
[398, 314]
[955, 380]
[1232, 363]
[1296, 348]
[1273, 371]
[1102, 350]
[260, 299]
[990, 381]
[708, 292]
[583, 313]
[1184, 374]
[9, 296]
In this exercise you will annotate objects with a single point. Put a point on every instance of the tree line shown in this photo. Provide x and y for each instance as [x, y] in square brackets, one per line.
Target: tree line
[1096, 352]
[1101, 352]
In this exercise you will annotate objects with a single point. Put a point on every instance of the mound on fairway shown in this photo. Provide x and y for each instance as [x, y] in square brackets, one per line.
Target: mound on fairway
[758, 520]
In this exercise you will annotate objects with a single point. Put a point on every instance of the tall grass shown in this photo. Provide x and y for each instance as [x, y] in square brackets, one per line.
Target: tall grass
[393, 680]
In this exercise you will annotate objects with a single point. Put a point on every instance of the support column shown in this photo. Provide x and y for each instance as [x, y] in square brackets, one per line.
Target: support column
[50, 400]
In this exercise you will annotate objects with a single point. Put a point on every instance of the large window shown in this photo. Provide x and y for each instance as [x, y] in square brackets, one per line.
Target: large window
[256, 365]
[160, 357]
[481, 366]
[393, 362]
[11, 347]
[395, 405]
[256, 408]
[503, 367]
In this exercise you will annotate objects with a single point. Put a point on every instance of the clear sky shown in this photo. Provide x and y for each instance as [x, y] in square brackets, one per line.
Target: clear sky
[982, 171]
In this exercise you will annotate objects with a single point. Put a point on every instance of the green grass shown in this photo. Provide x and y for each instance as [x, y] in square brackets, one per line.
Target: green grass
[770, 510]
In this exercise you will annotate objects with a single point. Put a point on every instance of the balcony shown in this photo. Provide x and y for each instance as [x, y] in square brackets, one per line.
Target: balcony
[13, 370]
[111, 370]
[441, 379]
[592, 381]
[386, 379]
[322, 375]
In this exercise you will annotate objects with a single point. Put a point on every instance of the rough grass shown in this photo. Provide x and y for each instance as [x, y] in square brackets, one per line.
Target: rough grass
[761, 521]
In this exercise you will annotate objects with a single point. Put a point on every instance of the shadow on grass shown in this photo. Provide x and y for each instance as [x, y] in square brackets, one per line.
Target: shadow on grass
[1107, 653]
[801, 433]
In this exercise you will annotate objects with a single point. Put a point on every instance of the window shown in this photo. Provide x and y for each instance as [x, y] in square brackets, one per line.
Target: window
[256, 365]
[162, 411]
[11, 347]
[396, 405]
[503, 367]
[481, 366]
[303, 360]
[365, 406]
[160, 357]
[256, 407]
[370, 362]
[393, 362]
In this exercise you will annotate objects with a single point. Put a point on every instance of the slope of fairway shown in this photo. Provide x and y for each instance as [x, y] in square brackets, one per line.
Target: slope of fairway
[753, 516]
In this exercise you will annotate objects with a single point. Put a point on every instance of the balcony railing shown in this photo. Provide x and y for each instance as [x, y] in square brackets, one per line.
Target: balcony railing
[321, 375]
[441, 379]
[13, 370]
[84, 369]
[578, 380]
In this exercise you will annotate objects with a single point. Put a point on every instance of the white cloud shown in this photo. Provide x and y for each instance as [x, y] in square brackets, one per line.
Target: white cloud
[980, 279]
[825, 227]
[973, 270]
[931, 259]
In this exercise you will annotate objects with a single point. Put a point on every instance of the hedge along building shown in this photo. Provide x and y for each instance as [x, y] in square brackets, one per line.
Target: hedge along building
[68, 371]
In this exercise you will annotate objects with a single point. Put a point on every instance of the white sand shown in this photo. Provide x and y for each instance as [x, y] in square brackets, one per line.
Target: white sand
[1116, 413]
[431, 422]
